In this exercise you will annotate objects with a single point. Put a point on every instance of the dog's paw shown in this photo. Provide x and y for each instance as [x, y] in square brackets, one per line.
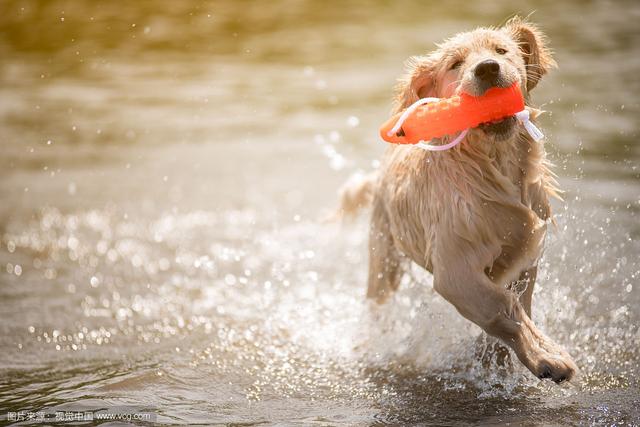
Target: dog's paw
[544, 358]
[557, 367]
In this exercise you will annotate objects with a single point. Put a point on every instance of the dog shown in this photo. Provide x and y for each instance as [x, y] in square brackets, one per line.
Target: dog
[475, 216]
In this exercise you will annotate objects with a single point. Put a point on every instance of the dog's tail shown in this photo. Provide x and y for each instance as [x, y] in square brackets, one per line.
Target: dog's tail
[355, 194]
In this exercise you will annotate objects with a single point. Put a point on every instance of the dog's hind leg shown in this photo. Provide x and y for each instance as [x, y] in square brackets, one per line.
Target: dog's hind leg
[384, 259]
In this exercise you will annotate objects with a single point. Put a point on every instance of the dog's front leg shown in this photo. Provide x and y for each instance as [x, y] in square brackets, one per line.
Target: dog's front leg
[528, 279]
[500, 313]
[524, 287]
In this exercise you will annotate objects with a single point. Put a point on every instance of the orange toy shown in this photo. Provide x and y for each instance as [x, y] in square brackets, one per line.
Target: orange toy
[442, 117]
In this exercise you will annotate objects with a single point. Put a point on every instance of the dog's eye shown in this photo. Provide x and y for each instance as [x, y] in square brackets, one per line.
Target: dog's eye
[501, 51]
[456, 65]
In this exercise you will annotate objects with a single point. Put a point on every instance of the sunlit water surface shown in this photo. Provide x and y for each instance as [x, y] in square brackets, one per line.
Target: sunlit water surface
[165, 167]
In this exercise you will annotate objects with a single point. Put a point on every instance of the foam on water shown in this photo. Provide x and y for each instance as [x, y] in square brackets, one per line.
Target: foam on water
[268, 310]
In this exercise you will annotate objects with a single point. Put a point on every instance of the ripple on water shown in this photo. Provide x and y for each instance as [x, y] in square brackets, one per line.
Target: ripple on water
[232, 314]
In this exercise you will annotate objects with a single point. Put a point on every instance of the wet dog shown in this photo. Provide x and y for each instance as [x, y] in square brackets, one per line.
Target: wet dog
[474, 216]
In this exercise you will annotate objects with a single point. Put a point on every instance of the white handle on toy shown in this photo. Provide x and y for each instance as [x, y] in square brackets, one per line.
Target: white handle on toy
[422, 144]
[522, 116]
[407, 112]
[458, 139]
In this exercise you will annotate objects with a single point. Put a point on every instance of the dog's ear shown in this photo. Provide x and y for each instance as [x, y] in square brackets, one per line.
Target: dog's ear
[418, 81]
[537, 56]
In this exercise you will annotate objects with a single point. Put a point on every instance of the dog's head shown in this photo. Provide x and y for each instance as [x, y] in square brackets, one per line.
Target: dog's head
[475, 61]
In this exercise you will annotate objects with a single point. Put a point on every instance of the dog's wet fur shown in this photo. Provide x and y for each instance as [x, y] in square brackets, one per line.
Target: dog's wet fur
[474, 216]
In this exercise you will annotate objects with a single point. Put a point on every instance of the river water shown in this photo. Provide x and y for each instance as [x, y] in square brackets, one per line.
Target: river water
[165, 167]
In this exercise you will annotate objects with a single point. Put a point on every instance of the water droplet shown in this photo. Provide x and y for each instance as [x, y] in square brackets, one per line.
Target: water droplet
[72, 243]
[353, 121]
[164, 264]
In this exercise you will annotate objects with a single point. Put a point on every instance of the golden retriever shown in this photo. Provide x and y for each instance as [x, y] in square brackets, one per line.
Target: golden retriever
[474, 216]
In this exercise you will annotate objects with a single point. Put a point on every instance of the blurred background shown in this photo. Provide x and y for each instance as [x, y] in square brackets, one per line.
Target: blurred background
[164, 166]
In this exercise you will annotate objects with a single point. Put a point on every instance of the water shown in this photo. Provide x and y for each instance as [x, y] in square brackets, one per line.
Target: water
[165, 167]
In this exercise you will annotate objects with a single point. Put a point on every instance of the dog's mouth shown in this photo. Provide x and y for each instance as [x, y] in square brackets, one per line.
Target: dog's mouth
[499, 128]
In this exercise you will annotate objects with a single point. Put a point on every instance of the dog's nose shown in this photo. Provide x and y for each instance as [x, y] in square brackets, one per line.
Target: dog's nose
[488, 71]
